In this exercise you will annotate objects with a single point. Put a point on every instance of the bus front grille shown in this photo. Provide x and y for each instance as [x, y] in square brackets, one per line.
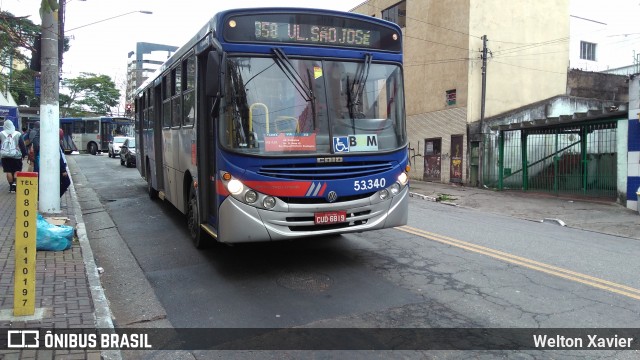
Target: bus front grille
[325, 171]
[323, 200]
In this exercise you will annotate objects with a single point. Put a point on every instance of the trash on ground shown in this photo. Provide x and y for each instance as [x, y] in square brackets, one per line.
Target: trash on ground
[50, 237]
[57, 220]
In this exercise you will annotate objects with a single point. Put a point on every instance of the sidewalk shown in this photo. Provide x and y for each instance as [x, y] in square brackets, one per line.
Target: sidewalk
[598, 216]
[68, 291]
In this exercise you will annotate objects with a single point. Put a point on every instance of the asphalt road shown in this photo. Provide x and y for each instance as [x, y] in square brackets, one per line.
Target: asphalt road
[449, 267]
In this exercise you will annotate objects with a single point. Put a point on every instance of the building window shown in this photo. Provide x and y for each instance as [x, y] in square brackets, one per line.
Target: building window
[397, 14]
[451, 97]
[587, 51]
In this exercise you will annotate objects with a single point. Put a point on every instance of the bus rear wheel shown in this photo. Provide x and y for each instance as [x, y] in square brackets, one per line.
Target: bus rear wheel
[193, 220]
[93, 148]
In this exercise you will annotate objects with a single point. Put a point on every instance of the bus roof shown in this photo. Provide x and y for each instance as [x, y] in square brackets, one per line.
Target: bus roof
[211, 33]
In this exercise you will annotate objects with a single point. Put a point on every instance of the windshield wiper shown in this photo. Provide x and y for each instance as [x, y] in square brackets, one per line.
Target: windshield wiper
[354, 94]
[287, 68]
[240, 108]
[294, 77]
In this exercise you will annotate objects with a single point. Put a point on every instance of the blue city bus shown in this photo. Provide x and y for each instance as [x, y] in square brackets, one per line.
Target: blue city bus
[279, 123]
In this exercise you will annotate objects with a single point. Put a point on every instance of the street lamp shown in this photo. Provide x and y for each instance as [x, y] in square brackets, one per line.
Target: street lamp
[113, 17]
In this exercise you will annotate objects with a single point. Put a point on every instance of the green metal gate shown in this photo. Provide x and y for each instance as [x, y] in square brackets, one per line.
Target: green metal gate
[578, 159]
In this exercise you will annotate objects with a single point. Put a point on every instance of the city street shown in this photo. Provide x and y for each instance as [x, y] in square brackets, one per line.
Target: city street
[449, 267]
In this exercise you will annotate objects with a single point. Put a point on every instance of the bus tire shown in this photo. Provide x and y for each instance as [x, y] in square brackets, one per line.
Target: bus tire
[93, 148]
[193, 220]
[153, 193]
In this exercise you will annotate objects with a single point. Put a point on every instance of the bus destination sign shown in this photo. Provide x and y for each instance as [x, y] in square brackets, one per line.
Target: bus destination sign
[311, 29]
[306, 33]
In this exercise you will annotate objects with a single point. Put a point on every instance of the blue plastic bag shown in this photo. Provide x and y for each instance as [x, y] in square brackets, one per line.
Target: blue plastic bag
[51, 237]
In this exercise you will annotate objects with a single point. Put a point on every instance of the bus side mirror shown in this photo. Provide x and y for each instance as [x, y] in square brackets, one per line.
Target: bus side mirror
[213, 74]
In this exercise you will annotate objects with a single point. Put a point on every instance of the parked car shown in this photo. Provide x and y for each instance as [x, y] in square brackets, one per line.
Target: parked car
[128, 152]
[115, 144]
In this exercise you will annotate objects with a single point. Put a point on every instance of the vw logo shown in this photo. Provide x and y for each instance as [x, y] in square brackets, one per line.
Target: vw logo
[332, 196]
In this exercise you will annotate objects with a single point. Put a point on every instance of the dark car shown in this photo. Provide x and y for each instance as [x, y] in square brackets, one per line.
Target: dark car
[128, 153]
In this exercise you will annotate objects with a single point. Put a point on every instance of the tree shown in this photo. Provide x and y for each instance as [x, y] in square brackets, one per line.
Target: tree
[22, 87]
[17, 35]
[88, 94]
[17, 46]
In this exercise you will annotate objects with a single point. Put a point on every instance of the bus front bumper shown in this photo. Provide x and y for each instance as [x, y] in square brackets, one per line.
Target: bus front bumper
[239, 222]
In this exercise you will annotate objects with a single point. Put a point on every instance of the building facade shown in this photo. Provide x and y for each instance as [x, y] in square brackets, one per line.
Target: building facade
[148, 58]
[469, 60]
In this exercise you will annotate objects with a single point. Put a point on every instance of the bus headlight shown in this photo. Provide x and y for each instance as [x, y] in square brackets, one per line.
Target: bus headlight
[384, 194]
[250, 197]
[394, 189]
[403, 179]
[269, 202]
[235, 186]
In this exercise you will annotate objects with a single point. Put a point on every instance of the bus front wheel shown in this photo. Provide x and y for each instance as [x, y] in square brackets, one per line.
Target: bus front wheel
[193, 220]
[93, 148]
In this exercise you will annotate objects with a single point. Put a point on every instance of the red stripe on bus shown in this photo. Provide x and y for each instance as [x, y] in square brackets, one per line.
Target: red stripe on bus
[324, 187]
[280, 188]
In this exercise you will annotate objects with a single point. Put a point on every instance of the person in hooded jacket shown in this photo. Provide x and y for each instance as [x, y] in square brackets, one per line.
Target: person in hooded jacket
[12, 163]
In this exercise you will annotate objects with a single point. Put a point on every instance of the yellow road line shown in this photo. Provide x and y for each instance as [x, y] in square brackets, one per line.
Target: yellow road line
[528, 263]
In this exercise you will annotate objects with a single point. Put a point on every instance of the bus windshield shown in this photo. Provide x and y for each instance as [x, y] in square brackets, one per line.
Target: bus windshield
[282, 106]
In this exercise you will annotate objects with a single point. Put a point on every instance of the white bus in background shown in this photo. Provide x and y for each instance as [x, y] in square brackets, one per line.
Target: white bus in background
[93, 134]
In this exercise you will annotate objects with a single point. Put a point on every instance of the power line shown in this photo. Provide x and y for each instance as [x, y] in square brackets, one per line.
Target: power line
[528, 68]
[531, 46]
[437, 61]
[534, 54]
[435, 42]
[424, 22]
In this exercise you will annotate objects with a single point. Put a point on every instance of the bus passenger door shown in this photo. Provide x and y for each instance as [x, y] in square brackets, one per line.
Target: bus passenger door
[157, 139]
[206, 130]
[105, 134]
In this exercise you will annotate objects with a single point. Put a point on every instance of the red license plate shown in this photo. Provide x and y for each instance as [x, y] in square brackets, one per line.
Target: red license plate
[329, 217]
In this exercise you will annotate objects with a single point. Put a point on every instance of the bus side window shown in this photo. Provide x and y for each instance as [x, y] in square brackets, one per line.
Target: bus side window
[188, 92]
[92, 127]
[166, 102]
[78, 127]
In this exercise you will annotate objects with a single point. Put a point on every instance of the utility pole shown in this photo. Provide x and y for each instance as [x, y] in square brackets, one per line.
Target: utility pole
[484, 80]
[482, 101]
[49, 173]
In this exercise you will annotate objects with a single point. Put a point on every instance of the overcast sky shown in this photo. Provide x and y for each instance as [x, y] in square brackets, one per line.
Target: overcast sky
[102, 48]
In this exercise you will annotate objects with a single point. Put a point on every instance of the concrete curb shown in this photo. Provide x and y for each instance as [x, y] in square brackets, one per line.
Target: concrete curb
[554, 221]
[424, 197]
[101, 305]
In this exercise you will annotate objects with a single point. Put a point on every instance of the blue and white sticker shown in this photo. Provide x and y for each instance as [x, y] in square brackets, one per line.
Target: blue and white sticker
[353, 143]
[341, 144]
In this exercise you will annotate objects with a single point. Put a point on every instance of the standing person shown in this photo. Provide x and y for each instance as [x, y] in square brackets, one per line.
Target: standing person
[65, 180]
[25, 136]
[12, 152]
[34, 137]
[27, 143]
